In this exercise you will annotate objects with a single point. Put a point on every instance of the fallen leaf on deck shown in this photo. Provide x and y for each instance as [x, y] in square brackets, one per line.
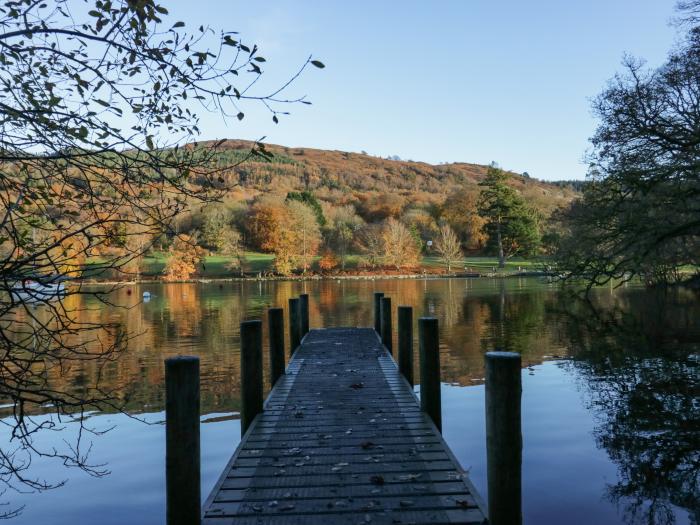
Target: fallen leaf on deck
[377, 480]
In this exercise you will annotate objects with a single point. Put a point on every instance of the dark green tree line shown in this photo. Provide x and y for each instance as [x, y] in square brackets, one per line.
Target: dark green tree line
[640, 211]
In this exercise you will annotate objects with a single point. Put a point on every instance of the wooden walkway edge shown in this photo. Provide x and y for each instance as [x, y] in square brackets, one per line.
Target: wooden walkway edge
[342, 439]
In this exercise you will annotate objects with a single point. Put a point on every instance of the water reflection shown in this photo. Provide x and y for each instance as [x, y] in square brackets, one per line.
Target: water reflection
[634, 355]
[637, 354]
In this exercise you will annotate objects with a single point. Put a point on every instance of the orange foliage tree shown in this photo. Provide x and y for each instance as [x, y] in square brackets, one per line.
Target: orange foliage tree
[328, 261]
[185, 255]
[289, 230]
[460, 211]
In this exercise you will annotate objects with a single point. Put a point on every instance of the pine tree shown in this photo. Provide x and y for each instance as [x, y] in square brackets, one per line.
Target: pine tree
[511, 225]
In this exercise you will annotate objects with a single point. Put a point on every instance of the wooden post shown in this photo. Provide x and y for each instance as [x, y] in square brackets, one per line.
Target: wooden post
[378, 312]
[504, 443]
[275, 325]
[429, 350]
[294, 327]
[251, 373]
[406, 342]
[304, 314]
[386, 323]
[182, 461]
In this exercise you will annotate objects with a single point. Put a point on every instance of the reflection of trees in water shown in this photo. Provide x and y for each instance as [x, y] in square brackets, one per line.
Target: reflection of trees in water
[517, 321]
[633, 350]
[179, 319]
[504, 318]
[478, 316]
[637, 352]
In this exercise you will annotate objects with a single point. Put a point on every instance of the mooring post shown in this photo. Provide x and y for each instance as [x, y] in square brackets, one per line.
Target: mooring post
[504, 442]
[406, 342]
[378, 312]
[182, 456]
[304, 314]
[386, 329]
[429, 350]
[294, 327]
[251, 372]
[275, 325]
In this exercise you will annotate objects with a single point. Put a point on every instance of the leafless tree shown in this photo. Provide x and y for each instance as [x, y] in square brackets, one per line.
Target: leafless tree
[448, 246]
[370, 243]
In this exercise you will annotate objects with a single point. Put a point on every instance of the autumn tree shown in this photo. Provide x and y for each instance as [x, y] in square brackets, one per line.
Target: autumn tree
[264, 220]
[184, 257]
[285, 259]
[99, 100]
[218, 232]
[422, 222]
[461, 211]
[447, 246]
[376, 208]
[343, 225]
[305, 229]
[400, 246]
[370, 243]
[328, 261]
[511, 225]
[269, 229]
[287, 229]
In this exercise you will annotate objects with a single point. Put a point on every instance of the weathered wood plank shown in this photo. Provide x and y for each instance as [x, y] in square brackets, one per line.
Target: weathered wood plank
[432, 517]
[332, 460]
[336, 450]
[342, 504]
[342, 440]
[351, 491]
[419, 478]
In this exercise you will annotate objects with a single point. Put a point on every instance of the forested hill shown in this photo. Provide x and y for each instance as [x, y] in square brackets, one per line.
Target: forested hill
[340, 177]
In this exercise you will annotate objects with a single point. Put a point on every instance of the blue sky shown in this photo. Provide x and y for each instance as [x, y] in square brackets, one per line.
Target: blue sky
[441, 81]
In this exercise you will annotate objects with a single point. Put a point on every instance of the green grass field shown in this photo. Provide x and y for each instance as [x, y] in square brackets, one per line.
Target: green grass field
[216, 266]
[485, 264]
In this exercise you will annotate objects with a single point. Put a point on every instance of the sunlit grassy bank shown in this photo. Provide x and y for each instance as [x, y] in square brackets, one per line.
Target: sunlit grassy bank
[262, 265]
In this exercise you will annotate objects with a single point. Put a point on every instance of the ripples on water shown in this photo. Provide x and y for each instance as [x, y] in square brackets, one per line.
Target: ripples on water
[610, 393]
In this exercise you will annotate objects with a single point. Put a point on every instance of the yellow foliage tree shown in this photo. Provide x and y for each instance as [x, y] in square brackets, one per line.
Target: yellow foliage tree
[400, 246]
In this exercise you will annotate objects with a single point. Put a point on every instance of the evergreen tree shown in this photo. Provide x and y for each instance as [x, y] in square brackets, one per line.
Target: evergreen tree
[308, 198]
[511, 225]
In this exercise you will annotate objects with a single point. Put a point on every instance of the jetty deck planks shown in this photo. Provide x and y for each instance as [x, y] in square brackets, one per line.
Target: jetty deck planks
[342, 440]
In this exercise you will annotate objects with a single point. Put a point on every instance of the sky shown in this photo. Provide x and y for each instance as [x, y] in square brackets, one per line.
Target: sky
[440, 81]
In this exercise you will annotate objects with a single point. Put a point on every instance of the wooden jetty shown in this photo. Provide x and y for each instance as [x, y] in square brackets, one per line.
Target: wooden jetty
[341, 438]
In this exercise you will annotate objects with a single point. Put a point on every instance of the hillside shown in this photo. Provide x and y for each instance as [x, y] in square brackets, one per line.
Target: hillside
[341, 177]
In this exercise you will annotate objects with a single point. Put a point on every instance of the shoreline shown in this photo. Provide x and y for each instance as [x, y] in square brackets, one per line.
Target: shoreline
[316, 277]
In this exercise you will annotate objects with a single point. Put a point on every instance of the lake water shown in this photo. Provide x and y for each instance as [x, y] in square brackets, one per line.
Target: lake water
[611, 394]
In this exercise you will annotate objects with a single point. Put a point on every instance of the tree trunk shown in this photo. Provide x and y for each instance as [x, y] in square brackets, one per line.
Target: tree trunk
[343, 251]
[303, 260]
[501, 257]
